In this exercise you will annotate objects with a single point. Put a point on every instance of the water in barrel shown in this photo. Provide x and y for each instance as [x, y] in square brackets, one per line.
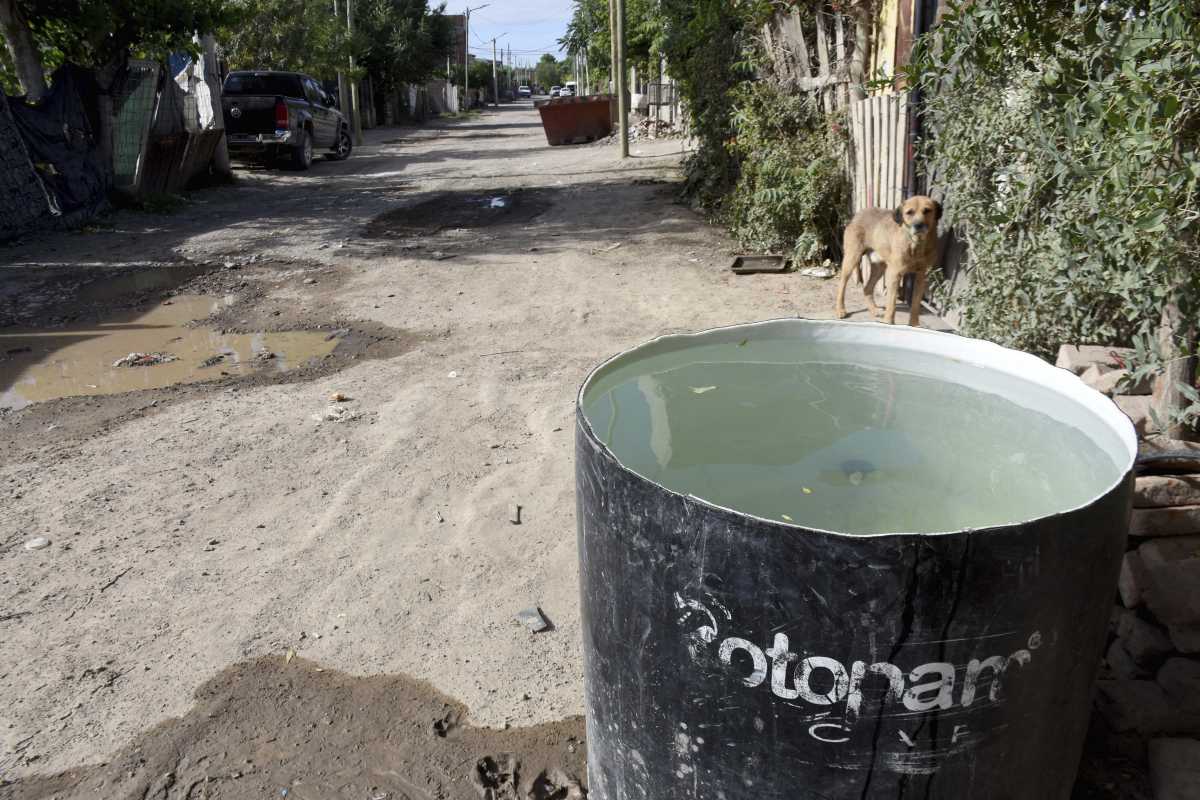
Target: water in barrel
[819, 436]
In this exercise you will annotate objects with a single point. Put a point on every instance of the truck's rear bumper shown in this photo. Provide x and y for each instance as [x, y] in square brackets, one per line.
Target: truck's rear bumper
[257, 142]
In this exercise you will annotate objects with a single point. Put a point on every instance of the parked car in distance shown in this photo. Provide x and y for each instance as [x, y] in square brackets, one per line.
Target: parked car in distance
[566, 91]
[554, 90]
[272, 114]
[524, 91]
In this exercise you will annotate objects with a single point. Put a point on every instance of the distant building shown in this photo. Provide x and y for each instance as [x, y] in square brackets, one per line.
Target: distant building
[458, 37]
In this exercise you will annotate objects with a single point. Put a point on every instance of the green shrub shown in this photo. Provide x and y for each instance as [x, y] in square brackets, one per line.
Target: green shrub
[705, 42]
[768, 162]
[791, 192]
[1064, 137]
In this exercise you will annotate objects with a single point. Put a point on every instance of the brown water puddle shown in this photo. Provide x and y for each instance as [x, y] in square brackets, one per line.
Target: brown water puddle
[48, 363]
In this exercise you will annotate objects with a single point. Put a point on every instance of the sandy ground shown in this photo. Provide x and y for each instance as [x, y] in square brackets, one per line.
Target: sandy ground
[225, 524]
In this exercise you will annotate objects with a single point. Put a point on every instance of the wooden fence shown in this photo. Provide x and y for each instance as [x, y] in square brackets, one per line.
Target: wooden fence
[879, 150]
[792, 65]
[879, 143]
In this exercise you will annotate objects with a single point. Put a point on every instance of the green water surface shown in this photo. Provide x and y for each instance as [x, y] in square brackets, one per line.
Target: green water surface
[810, 436]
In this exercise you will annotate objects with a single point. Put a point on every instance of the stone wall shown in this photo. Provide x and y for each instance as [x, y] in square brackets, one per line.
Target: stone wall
[1148, 697]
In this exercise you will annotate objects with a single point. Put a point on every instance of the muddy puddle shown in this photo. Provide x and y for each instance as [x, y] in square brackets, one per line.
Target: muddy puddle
[465, 210]
[285, 727]
[85, 358]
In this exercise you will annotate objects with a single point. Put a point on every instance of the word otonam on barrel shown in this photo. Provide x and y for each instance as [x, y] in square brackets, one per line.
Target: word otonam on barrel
[824, 681]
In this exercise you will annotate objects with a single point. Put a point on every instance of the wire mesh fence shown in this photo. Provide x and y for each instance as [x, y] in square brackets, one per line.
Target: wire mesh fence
[134, 100]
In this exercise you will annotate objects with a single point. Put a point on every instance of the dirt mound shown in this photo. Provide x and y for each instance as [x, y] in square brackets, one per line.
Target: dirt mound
[279, 727]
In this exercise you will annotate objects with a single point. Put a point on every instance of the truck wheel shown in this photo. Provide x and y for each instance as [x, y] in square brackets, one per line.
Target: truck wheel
[341, 151]
[302, 152]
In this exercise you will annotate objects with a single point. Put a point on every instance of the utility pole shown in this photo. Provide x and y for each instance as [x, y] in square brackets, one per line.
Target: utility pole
[495, 80]
[355, 111]
[622, 94]
[467, 51]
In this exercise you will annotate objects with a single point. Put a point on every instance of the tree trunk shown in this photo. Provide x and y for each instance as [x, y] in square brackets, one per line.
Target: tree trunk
[1176, 339]
[24, 51]
[862, 13]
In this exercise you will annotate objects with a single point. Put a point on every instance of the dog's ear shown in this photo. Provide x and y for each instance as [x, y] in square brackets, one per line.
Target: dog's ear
[898, 215]
[937, 210]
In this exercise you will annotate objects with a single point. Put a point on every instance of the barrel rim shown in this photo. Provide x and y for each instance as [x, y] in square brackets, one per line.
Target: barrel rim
[1048, 375]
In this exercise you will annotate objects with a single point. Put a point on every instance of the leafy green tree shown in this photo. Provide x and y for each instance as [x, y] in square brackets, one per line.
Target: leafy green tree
[301, 35]
[401, 41]
[705, 42]
[103, 33]
[588, 32]
[548, 72]
[481, 75]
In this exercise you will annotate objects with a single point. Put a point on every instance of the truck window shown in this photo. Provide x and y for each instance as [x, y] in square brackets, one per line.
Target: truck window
[257, 83]
[313, 92]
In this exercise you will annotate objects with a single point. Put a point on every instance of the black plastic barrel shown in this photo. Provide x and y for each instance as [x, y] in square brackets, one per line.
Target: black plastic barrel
[739, 658]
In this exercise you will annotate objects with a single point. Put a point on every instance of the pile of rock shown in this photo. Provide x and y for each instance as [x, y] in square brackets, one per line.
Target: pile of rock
[1149, 693]
[1105, 370]
[1148, 697]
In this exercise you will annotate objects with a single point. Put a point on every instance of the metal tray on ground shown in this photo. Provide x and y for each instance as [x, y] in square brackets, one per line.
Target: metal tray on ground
[749, 264]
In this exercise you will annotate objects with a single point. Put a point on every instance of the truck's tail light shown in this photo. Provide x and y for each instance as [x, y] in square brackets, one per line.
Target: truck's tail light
[281, 114]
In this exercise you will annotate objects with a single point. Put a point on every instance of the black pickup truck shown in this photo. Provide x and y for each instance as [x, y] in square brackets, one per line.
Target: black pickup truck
[274, 114]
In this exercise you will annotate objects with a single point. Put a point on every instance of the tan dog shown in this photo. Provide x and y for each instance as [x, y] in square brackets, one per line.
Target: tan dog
[899, 242]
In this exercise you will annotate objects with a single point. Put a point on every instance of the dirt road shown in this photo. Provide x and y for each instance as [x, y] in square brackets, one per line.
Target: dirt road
[228, 535]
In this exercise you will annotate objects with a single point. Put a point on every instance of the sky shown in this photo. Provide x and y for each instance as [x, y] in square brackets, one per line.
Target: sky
[530, 27]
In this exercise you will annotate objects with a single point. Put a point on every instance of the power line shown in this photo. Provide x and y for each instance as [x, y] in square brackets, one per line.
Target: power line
[483, 45]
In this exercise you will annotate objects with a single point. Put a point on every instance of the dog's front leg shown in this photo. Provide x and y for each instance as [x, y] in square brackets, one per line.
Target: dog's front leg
[869, 288]
[914, 315]
[893, 290]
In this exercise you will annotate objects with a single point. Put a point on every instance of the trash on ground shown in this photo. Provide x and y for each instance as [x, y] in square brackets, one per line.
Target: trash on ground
[338, 397]
[337, 334]
[212, 360]
[514, 514]
[144, 359]
[37, 543]
[818, 272]
[452, 374]
[533, 620]
[336, 412]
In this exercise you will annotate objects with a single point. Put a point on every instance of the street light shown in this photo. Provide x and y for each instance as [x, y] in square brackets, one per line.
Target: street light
[495, 81]
[467, 52]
